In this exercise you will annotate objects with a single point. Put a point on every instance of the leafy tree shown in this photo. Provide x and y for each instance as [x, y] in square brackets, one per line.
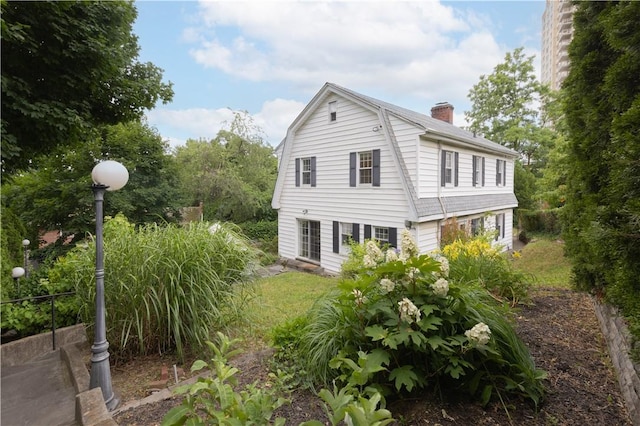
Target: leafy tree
[58, 195]
[503, 108]
[602, 212]
[233, 175]
[66, 67]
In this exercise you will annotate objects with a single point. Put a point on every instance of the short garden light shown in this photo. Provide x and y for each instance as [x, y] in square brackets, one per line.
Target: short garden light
[17, 273]
[25, 245]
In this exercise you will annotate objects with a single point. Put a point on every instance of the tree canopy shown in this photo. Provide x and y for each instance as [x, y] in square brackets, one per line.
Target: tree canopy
[233, 174]
[68, 66]
[57, 194]
[504, 108]
[602, 212]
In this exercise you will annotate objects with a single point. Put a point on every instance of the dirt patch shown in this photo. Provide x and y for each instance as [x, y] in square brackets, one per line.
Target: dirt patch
[559, 327]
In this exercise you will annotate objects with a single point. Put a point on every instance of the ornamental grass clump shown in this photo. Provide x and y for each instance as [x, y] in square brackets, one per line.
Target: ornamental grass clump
[433, 332]
[166, 287]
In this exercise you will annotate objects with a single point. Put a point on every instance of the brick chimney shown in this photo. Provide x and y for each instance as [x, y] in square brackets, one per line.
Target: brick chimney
[443, 111]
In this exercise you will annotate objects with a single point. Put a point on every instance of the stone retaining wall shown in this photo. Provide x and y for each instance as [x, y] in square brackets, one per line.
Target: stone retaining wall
[619, 342]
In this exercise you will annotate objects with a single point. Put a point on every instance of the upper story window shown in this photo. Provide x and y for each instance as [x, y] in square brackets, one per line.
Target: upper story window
[501, 173]
[449, 168]
[364, 168]
[306, 171]
[333, 111]
[478, 171]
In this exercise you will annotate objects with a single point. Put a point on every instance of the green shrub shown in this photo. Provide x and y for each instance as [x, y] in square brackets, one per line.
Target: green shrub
[166, 287]
[436, 333]
[262, 230]
[544, 221]
[213, 400]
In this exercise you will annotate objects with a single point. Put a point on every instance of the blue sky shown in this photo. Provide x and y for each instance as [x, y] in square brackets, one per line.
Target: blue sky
[270, 57]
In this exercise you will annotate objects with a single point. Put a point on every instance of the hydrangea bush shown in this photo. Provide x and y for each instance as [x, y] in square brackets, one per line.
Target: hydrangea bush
[426, 330]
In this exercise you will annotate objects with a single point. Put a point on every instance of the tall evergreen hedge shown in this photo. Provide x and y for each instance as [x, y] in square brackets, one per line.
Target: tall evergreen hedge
[602, 214]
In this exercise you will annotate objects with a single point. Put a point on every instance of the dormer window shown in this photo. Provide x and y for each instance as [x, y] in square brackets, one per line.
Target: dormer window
[333, 111]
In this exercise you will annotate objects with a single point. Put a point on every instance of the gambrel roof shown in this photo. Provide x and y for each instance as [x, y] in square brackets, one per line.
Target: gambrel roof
[421, 208]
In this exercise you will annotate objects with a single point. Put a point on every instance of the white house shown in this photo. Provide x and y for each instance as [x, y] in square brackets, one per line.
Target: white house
[355, 167]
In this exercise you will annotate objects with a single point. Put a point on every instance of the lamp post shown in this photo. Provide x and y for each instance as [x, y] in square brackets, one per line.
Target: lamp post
[107, 176]
[17, 273]
[25, 245]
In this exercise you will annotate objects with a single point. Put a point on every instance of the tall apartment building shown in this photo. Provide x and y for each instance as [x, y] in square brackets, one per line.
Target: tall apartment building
[557, 31]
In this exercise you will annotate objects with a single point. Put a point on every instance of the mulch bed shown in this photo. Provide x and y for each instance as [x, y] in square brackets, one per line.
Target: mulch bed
[562, 332]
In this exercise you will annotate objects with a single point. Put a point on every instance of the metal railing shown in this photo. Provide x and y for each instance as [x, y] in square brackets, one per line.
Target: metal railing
[53, 309]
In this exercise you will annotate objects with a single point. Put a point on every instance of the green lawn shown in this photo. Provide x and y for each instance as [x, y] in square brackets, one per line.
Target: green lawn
[280, 298]
[544, 259]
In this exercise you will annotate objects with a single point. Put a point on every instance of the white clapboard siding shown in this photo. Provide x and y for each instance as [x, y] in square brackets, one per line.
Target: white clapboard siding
[332, 199]
[410, 169]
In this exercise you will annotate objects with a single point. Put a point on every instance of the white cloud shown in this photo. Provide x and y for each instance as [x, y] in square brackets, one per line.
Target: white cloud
[423, 48]
[276, 116]
[177, 126]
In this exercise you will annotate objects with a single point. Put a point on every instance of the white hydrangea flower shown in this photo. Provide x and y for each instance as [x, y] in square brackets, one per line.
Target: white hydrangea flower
[444, 264]
[412, 272]
[368, 262]
[408, 245]
[372, 249]
[408, 311]
[440, 287]
[391, 255]
[359, 297]
[479, 335]
[387, 285]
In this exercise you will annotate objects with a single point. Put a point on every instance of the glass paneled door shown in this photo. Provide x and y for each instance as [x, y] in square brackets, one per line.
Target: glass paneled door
[309, 232]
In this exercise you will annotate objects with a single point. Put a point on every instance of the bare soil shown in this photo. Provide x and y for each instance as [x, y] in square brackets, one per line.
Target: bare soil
[559, 326]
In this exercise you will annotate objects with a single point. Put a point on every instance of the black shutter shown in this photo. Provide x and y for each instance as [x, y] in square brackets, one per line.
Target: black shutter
[352, 168]
[297, 172]
[355, 233]
[376, 167]
[393, 237]
[482, 171]
[473, 170]
[313, 171]
[504, 174]
[443, 165]
[367, 232]
[503, 220]
[498, 173]
[336, 237]
[456, 166]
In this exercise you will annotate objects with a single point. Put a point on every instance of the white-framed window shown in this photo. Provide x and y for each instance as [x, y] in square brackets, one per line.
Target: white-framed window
[499, 226]
[448, 167]
[333, 111]
[365, 167]
[478, 170]
[381, 234]
[346, 236]
[309, 239]
[306, 171]
[501, 173]
[477, 226]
